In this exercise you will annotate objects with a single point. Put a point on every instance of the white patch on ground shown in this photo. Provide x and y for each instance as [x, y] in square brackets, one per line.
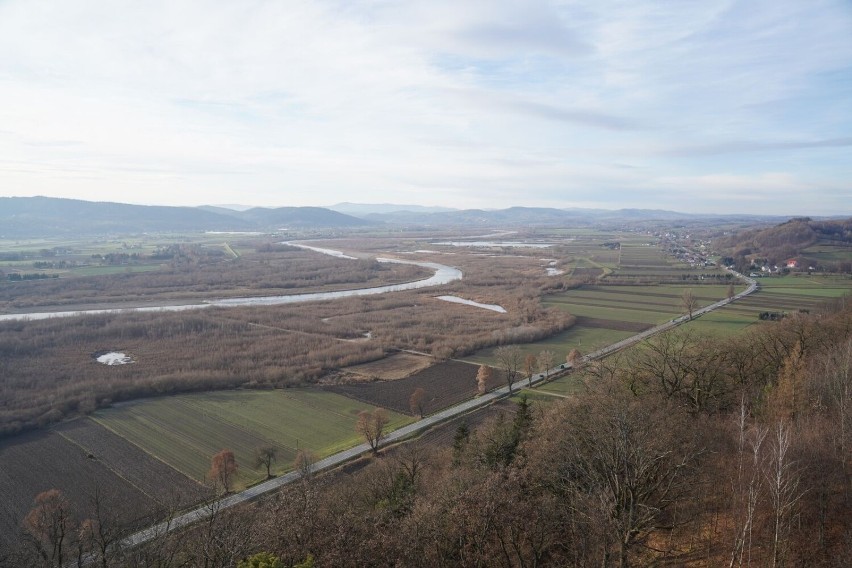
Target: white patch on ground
[115, 358]
[330, 252]
[554, 271]
[457, 300]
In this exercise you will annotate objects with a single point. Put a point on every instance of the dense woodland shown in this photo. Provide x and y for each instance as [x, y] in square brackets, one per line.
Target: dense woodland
[687, 451]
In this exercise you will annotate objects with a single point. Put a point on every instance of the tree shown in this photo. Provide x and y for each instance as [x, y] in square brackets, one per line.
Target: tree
[621, 462]
[261, 560]
[574, 357]
[510, 360]
[530, 365]
[265, 456]
[371, 425]
[50, 524]
[731, 291]
[483, 376]
[545, 362]
[223, 470]
[783, 478]
[304, 463]
[689, 302]
[416, 402]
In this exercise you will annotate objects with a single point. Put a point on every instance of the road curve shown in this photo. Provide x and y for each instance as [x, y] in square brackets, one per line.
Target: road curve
[256, 491]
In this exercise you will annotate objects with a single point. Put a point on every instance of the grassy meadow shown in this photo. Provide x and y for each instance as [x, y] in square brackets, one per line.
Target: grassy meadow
[786, 294]
[185, 431]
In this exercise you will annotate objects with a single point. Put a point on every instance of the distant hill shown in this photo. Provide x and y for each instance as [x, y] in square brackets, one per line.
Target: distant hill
[528, 216]
[27, 217]
[365, 209]
[816, 243]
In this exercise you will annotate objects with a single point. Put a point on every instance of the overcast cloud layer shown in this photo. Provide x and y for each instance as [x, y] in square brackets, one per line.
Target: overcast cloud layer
[696, 106]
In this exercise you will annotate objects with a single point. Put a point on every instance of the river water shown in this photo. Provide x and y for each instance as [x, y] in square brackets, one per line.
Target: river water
[443, 275]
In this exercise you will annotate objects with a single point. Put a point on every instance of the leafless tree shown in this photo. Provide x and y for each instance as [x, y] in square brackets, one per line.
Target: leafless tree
[574, 357]
[223, 470]
[783, 477]
[50, 525]
[510, 360]
[545, 362]
[689, 302]
[627, 460]
[371, 425]
[483, 376]
[747, 486]
[530, 365]
[416, 401]
[265, 456]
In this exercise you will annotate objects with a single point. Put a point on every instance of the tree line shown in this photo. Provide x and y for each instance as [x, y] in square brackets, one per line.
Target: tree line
[688, 450]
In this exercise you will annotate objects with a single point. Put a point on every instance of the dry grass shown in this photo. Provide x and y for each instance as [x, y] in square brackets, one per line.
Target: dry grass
[397, 366]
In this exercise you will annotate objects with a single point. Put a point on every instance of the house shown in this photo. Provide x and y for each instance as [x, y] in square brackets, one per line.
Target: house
[792, 263]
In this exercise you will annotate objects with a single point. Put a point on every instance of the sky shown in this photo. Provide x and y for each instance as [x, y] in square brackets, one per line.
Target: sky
[705, 106]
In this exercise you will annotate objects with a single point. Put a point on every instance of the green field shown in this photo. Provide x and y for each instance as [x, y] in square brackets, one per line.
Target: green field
[584, 338]
[777, 294]
[185, 431]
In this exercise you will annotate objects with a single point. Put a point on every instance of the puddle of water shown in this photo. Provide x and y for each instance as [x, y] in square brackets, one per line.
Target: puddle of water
[457, 300]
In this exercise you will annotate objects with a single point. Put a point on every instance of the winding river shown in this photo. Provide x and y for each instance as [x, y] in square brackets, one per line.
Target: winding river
[443, 275]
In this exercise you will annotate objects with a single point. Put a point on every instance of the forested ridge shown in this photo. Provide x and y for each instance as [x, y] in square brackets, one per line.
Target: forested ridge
[789, 240]
[689, 451]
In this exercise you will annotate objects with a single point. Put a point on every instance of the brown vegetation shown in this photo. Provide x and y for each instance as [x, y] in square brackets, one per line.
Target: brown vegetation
[444, 384]
[192, 276]
[789, 240]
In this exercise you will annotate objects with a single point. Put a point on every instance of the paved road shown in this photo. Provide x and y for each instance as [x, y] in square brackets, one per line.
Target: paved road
[402, 433]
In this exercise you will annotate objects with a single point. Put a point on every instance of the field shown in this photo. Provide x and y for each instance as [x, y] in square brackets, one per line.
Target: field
[445, 384]
[392, 367]
[608, 314]
[186, 431]
[781, 294]
[39, 461]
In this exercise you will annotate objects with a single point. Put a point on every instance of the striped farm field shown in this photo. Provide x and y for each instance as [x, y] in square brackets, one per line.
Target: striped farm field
[586, 338]
[776, 294]
[608, 314]
[186, 431]
[649, 305]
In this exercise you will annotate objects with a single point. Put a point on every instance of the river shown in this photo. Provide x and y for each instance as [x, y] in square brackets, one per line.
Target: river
[443, 275]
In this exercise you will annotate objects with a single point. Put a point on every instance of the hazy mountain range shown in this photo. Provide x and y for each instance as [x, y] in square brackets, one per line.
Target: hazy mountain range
[26, 217]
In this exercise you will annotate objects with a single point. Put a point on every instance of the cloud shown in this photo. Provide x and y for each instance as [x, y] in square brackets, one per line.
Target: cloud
[737, 147]
[486, 102]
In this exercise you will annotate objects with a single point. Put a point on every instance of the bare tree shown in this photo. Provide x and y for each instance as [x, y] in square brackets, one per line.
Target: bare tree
[574, 357]
[747, 486]
[689, 302]
[623, 463]
[223, 470]
[265, 456]
[783, 482]
[371, 425]
[50, 525]
[304, 463]
[416, 401]
[545, 362]
[731, 291]
[510, 359]
[530, 365]
[483, 376]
